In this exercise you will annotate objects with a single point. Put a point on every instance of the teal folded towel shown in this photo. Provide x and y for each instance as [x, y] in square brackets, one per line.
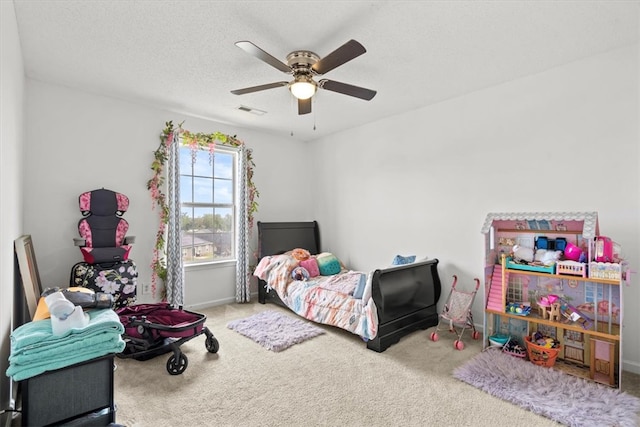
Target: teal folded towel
[35, 350]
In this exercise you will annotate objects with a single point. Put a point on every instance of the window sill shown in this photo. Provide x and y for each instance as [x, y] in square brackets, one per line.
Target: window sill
[210, 265]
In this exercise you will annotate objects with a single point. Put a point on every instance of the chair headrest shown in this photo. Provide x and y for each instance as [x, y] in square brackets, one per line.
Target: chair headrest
[103, 202]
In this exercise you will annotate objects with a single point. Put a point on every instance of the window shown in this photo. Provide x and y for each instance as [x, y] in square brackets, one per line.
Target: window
[208, 204]
[593, 292]
[515, 289]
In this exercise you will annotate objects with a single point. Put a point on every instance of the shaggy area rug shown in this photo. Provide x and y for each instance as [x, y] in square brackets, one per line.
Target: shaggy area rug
[549, 392]
[274, 330]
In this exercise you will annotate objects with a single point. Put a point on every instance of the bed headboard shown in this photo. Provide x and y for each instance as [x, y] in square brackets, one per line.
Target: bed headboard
[278, 237]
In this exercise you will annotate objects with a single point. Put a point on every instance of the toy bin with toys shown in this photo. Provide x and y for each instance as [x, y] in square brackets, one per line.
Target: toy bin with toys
[542, 351]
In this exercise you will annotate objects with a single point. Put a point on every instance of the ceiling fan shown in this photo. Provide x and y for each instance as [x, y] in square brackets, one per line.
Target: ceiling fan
[304, 65]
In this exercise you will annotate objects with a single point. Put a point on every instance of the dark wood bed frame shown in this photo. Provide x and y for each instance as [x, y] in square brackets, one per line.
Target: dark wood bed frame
[405, 296]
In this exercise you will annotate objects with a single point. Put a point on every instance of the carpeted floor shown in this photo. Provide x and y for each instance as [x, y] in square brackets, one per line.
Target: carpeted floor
[549, 392]
[329, 380]
[275, 330]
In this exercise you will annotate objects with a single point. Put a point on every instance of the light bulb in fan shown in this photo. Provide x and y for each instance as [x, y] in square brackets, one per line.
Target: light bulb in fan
[303, 87]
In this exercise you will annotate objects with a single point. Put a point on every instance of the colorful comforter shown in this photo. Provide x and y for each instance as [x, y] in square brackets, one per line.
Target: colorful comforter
[332, 300]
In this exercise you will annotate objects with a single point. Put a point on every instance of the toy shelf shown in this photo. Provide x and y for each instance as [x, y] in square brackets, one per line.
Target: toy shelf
[535, 318]
[566, 276]
[514, 230]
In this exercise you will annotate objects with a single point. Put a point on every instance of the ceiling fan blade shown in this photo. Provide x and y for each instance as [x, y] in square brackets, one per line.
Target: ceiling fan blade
[347, 89]
[304, 106]
[258, 88]
[345, 53]
[254, 50]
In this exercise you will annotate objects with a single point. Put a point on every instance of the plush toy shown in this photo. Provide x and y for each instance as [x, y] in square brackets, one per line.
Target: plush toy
[299, 273]
[522, 253]
[311, 265]
[547, 257]
[300, 254]
[548, 343]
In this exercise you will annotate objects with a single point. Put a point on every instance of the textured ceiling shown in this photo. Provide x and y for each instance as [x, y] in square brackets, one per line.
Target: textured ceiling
[180, 55]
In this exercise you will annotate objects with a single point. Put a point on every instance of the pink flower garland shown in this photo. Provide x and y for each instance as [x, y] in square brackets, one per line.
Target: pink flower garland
[154, 185]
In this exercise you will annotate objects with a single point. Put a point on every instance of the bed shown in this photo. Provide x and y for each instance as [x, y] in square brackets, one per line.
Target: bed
[392, 303]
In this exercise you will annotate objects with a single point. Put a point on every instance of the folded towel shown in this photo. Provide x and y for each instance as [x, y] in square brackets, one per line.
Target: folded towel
[35, 350]
[33, 335]
[79, 352]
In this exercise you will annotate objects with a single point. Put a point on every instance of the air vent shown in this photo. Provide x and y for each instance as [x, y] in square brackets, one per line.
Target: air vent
[251, 110]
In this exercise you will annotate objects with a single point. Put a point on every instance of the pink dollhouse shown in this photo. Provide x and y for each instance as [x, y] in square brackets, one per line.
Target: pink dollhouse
[588, 291]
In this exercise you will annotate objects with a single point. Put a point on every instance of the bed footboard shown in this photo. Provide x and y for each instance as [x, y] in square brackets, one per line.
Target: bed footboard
[406, 298]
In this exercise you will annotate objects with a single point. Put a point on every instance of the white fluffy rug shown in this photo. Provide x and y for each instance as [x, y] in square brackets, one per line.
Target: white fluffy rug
[549, 392]
[275, 331]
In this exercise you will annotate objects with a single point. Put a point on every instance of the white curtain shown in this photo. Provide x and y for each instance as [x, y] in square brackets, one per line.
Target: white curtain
[242, 266]
[174, 284]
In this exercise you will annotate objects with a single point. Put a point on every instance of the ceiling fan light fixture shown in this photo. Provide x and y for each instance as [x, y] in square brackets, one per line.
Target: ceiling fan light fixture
[303, 87]
[304, 65]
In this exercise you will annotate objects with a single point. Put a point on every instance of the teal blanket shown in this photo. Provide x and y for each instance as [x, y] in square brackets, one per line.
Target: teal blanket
[35, 350]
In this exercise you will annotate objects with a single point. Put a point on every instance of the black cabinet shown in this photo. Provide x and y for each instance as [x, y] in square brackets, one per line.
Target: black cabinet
[78, 395]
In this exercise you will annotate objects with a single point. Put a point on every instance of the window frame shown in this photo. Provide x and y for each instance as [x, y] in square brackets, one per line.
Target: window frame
[232, 206]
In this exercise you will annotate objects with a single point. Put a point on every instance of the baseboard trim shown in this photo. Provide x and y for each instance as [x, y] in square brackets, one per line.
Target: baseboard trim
[627, 365]
[630, 366]
[214, 303]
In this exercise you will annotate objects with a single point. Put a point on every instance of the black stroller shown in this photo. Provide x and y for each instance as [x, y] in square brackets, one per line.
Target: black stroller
[150, 329]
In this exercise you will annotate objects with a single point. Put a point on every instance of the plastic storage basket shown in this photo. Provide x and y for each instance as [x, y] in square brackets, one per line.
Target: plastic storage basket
[541, 356]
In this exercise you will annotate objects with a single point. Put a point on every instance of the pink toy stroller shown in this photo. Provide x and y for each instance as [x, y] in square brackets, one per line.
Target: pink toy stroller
[457, 312]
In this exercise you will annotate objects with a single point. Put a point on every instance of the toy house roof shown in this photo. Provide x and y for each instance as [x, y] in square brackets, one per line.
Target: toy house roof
[587, 222]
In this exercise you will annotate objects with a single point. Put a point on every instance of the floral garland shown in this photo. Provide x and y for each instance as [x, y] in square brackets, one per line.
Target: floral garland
[195, 141]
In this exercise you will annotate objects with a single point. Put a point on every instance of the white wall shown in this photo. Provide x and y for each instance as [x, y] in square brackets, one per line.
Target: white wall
[422, 182]
[12, 123]
[78, 142]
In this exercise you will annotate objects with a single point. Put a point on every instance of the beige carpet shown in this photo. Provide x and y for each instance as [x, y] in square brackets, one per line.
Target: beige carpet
[328, 380]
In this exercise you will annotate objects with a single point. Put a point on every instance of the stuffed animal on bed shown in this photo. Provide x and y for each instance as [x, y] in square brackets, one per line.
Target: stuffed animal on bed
[547, 257]
[300, 254]
[522, 253]
[311, 265]
[328, 264]
[300, 273]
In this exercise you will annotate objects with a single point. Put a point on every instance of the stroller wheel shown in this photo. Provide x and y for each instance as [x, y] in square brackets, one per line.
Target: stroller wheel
[212, 344]
[177, 366]
[434, 337]
[475, 335]
[459, 345]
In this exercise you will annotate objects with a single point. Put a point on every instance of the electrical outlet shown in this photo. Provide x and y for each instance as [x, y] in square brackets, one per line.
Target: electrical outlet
[146, 289]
